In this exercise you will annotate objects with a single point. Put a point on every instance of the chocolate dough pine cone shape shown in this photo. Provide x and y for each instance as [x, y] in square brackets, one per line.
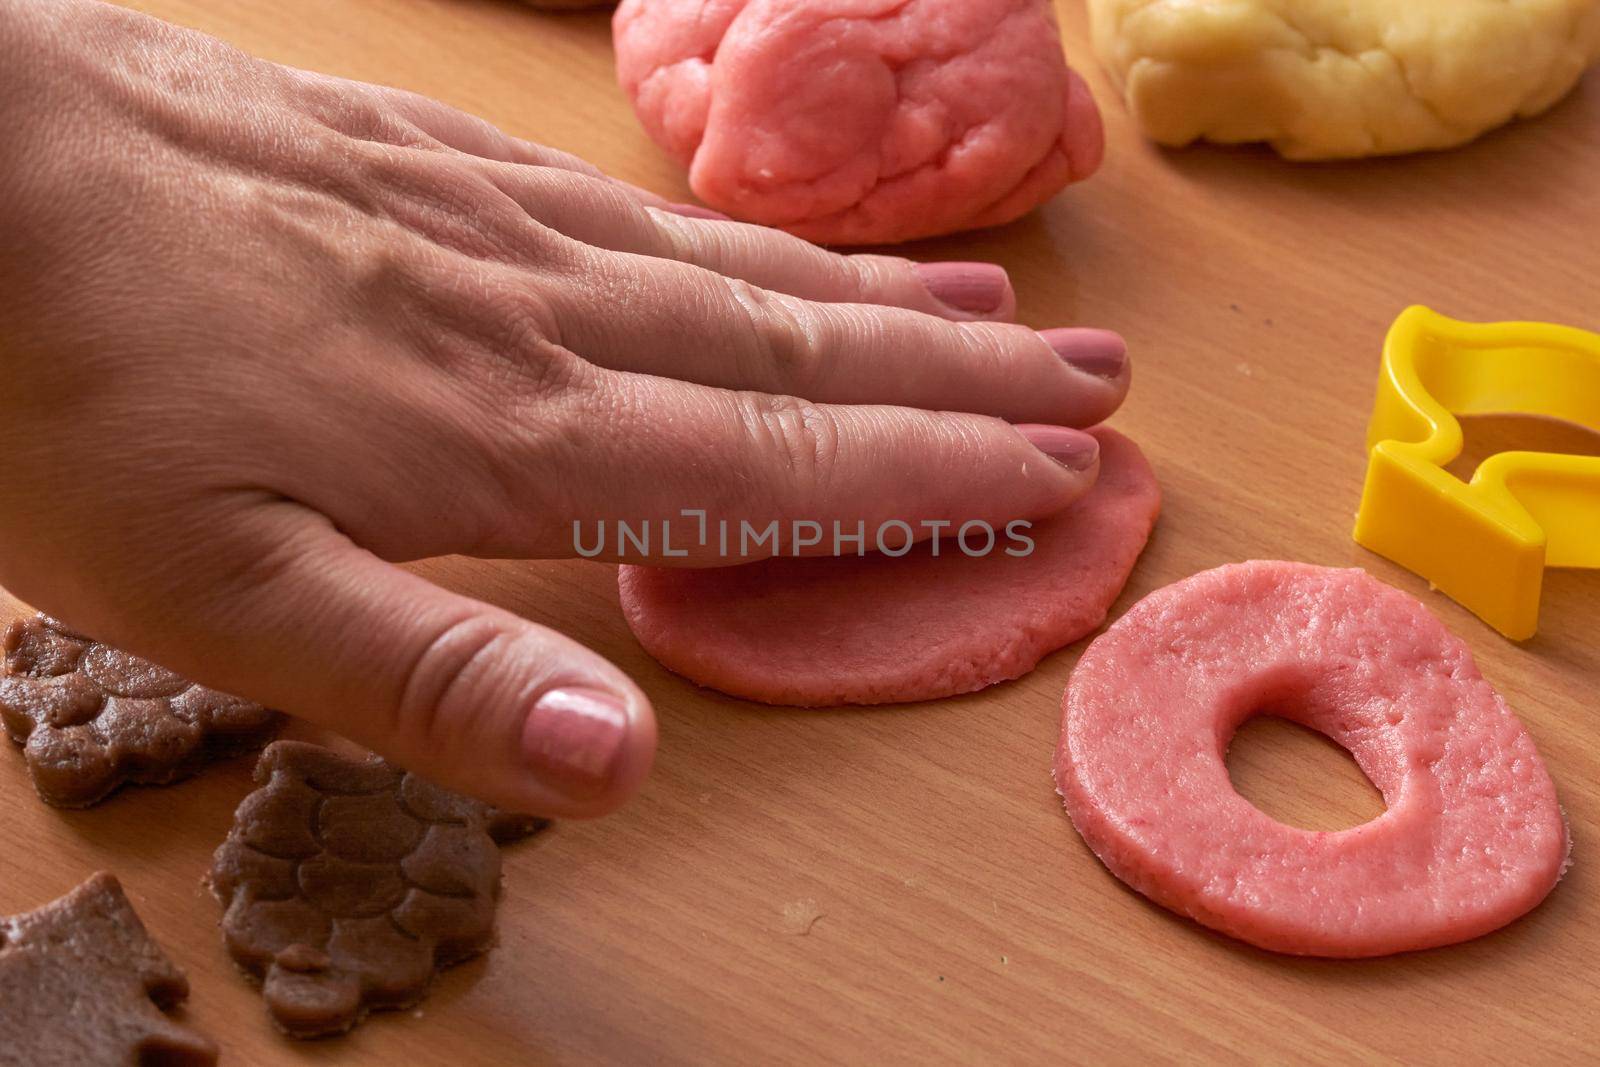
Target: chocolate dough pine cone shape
[82, 984]
[91, 717]
[347, 883]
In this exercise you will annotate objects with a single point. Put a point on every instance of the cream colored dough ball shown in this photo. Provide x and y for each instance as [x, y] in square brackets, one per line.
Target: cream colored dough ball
[1329, 79]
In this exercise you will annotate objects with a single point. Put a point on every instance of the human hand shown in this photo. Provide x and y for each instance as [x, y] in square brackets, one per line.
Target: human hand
[267, 333]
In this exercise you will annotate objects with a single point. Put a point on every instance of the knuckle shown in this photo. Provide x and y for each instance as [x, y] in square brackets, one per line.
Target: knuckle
[487, 326]
[802, 437]
[595, 208]
[451, 200]
[864, 279]
[535, 383]
[555, 159]
[512, 314]
[452, 678]
[557, 185]
[783, 335]
[441, 196]
[495, 327]
[379, 165]
[993, 351]
[356, 110]
[670, 236]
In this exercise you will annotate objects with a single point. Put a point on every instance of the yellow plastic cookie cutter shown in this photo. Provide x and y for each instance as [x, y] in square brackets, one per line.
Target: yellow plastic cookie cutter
[1484, 543]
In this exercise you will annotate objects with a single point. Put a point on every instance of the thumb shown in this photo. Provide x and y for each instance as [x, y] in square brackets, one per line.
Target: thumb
[470, 696]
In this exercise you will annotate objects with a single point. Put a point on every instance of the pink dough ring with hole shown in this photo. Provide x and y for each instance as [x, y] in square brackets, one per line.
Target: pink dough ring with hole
[1473, 836]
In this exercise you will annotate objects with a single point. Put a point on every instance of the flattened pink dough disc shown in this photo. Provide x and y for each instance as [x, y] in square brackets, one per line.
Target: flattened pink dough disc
[861, 121]
[1472, 838]
[873, 630]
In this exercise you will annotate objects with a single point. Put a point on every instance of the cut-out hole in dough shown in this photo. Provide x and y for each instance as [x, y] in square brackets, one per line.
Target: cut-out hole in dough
[1299, 776]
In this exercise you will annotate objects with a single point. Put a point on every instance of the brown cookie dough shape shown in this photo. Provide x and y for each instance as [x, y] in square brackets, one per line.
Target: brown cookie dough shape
[82, 984]
[347, 883]
[91, 717]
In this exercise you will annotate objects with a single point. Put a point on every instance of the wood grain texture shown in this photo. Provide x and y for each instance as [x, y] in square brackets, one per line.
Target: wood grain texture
[900, 884]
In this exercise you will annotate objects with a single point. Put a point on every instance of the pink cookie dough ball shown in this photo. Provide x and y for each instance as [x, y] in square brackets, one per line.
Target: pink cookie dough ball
[861, 121]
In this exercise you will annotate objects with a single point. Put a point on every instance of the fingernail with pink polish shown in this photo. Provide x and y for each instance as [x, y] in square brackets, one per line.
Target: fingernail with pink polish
[1098, 352]
[573, 739]
[976, 288]
[695, 211]
[1073, 449]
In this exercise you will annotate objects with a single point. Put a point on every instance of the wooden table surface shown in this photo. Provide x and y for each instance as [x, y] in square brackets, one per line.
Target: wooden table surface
[900, 884]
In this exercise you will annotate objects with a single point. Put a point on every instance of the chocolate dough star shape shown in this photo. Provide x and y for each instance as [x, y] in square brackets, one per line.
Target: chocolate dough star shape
[348, 883]
[81, 983]
[91, 717]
